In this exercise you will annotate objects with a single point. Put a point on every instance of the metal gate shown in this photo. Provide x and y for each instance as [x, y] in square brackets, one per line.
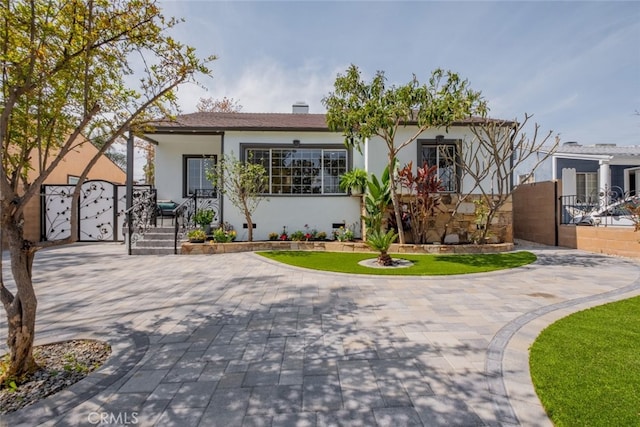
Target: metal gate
[100, 213]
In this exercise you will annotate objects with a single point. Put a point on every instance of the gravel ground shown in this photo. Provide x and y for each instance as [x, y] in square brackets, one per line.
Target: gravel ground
[61, 365]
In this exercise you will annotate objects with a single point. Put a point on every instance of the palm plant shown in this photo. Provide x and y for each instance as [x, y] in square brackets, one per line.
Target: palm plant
[380, 241]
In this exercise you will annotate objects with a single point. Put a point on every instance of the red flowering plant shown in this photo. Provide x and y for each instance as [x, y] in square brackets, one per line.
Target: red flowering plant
[424, 188]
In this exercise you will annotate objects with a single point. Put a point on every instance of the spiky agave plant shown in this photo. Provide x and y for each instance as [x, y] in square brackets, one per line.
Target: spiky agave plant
[380, 241]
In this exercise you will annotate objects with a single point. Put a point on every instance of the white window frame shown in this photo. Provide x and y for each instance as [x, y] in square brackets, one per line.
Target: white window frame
[589, 187]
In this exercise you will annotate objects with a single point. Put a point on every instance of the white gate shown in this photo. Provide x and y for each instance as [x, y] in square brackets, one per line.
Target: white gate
[100, 214]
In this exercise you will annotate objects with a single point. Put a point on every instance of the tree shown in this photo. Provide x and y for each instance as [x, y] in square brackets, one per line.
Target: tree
[244, 183]
[363, 110]
[224, 105]
[68, 70]
[496, 150]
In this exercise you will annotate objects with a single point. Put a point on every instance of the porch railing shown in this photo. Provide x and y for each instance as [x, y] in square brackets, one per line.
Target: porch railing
[185, 212]
[141, 216]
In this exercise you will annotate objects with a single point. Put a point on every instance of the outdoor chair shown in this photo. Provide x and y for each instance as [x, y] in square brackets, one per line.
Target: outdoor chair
[165, 210]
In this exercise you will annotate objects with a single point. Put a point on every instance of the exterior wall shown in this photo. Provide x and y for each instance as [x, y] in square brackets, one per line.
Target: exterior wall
[73, 164]
[293, 211]
[297, 211]
[169, 162]
[463, 229]
[580, 165]
[534, 212]
[621, 241]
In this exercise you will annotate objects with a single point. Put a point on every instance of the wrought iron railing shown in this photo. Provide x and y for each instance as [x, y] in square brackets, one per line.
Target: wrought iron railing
[610, 206]
[141, 216]
[185, 213]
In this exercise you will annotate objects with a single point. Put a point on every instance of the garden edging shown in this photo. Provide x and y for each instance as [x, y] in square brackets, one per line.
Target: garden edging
[219, 248]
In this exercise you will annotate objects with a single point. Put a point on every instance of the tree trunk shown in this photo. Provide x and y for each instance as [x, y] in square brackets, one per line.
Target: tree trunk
[21, 308]
[394, 199]
[385, 259]
[247, 217]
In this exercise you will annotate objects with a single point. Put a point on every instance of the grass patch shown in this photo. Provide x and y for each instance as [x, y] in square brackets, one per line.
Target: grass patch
[586, 367]
[423, 264]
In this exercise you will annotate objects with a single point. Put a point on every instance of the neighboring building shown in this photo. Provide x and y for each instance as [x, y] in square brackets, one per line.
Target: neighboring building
[68, 172]
[304, 160]
[587, 170]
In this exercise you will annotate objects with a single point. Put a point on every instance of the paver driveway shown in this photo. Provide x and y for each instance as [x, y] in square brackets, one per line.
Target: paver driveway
[236, 339]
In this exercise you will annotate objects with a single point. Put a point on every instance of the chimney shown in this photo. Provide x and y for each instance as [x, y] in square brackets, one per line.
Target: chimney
[571, 144]
[300, 107]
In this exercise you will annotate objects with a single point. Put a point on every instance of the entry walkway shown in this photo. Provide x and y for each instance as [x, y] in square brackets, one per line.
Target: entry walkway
[235, 339]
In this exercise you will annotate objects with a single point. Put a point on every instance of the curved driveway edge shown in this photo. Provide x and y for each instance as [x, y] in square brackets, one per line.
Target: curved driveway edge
[235, 339]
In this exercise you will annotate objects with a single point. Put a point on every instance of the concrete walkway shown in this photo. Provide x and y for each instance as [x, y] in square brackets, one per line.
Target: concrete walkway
[237, 340]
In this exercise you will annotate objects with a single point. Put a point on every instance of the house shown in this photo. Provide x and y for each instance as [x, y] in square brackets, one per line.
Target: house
[68, 172]
[304, 160]
[588, 171]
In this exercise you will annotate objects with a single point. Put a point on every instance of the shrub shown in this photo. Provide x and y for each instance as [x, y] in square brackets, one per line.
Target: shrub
[197, 235]
[224, 236]
[273, 236]
[297, 236]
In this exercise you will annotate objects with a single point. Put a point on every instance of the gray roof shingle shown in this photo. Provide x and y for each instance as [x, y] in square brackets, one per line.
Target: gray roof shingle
[213, 121]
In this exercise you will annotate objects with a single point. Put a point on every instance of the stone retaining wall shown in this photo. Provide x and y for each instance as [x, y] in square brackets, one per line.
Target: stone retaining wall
[219, 248]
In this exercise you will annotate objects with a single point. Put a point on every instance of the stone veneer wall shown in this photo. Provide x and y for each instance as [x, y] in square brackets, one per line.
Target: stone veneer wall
[463, 227]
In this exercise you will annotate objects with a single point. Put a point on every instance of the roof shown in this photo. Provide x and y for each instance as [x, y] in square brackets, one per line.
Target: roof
[220, 122]
[600, 149]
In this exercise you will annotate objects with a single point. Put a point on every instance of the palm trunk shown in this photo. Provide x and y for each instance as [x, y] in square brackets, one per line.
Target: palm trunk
[21, 307]
[385, 259]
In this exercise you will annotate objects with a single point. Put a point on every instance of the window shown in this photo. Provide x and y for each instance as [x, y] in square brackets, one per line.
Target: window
[72, 179]
[587, 187]
[441, 153]
[195, 173]
[527, 178]
[301, 170]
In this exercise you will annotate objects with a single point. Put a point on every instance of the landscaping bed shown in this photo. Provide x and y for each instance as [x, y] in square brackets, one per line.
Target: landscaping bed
[336, 246]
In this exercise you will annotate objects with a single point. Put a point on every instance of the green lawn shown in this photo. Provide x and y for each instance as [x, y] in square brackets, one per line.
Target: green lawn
[424, 265]
[586, 367]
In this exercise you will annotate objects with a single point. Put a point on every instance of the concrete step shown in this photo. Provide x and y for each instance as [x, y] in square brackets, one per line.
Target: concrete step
[153, 250]
[156, 241]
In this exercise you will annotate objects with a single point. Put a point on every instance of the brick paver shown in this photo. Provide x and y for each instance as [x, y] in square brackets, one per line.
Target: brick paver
[235, 339]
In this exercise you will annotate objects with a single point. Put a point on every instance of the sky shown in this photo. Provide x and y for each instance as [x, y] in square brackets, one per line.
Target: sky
[573, 65]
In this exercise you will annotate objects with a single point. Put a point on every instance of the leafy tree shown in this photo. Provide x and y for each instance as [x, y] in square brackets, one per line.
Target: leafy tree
[68, 69]
[244, 183]
[224, 105]
[362, 110]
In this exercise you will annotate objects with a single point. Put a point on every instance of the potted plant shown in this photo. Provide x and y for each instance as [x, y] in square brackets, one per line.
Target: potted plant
[196, 236]
[204, 218]
[354, 181]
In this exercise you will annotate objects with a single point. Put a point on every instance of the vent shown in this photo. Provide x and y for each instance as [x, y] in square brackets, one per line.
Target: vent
[300, 108]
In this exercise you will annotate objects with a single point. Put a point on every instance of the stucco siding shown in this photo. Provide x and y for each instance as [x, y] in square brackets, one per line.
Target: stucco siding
[294, 212]
[169, 160]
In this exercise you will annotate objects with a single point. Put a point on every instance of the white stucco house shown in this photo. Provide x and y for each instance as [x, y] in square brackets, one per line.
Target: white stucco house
[305, 161]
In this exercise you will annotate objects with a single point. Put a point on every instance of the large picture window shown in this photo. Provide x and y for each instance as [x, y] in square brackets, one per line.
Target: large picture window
[301, 170]
[195, 168]
[441, 153]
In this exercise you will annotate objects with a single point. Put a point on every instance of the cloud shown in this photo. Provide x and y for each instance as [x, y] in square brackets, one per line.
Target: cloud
[267, 86]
